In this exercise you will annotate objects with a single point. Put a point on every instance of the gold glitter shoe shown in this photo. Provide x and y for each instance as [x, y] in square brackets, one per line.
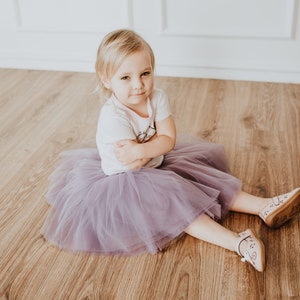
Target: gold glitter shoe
[255, 250]
[281, 209]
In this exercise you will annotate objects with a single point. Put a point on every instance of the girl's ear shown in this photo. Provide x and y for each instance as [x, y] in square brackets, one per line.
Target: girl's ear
[107, 84]
[105, 81]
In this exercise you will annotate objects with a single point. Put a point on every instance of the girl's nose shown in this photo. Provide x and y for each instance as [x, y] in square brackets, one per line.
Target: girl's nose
[137, 83]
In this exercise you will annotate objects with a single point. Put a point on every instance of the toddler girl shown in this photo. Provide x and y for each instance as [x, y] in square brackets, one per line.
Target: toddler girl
[140, 189]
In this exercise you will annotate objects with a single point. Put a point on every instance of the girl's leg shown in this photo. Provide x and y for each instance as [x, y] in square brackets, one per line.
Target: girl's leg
[208, 230]
[273, 211]
[246, 203]
[245, 244]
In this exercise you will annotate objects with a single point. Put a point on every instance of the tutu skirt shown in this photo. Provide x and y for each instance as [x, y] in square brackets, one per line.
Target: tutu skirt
[140, 210]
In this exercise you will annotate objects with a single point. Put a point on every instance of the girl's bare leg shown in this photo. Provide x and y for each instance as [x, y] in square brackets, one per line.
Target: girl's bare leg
[246, 203]
[208, 230]
[245, 243]
[275, 213]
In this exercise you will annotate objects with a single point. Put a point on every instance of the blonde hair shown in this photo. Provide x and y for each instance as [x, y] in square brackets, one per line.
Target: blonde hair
[114, 48]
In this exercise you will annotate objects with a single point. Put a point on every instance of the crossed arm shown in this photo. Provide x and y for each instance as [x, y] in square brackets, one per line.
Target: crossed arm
[135, 155]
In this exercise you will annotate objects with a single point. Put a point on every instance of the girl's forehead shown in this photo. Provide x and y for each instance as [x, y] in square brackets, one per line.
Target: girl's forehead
[137, 60]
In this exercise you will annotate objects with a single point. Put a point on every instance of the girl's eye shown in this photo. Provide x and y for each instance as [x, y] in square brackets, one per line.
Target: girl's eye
[125, 78]
[146, 73]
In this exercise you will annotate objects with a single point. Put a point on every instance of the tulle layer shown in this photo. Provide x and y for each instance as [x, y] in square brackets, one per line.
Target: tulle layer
[137, 211]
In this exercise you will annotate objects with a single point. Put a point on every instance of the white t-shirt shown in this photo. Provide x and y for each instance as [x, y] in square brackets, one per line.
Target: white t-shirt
[118, 122]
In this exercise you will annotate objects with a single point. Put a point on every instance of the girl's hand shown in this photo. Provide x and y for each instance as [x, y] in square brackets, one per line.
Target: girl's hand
[127, 151]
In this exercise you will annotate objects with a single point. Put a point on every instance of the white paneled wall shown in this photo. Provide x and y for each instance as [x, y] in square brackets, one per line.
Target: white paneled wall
[227, 39]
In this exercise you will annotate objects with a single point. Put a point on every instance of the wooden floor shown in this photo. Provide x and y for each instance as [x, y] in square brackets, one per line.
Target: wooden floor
[43, 113]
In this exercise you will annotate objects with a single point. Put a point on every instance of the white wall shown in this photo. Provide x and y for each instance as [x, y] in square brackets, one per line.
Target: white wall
[226, 39]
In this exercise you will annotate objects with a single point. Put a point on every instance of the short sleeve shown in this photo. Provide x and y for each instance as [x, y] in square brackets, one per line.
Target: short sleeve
[113, 125]
[161, 105]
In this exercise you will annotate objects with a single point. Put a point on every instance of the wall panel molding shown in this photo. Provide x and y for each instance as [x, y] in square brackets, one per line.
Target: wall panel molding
[34, 16]
[228, 19]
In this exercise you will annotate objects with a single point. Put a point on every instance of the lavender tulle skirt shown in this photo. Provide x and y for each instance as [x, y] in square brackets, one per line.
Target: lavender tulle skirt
[137, 211]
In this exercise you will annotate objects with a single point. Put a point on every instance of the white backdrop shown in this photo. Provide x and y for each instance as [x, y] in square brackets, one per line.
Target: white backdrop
[226, 39]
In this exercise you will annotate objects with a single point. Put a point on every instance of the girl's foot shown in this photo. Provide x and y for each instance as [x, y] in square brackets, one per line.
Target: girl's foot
[281, 209]
[251, 249]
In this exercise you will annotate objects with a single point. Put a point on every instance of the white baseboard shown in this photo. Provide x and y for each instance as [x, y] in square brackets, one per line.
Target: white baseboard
[81, 65]
[231, 74]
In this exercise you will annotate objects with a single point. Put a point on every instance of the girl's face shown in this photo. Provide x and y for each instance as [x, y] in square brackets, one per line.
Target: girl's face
[132, 83]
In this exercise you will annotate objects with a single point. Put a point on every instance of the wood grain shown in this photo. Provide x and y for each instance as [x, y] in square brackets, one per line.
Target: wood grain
[43, 113]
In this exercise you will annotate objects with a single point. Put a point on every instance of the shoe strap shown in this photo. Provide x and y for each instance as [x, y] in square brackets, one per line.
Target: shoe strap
[246, 257]
[243, 237]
